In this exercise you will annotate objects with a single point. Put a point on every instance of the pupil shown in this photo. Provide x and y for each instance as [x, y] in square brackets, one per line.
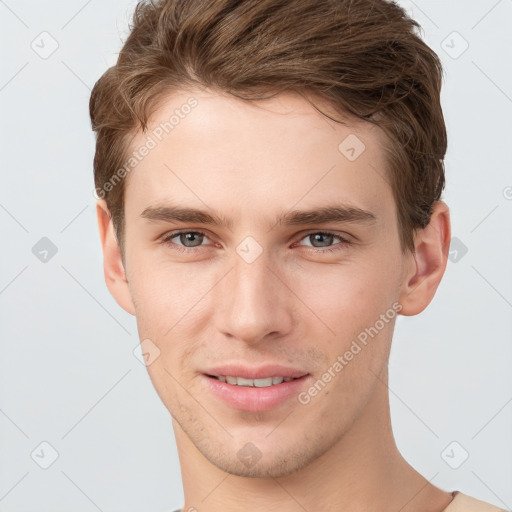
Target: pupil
[320, 235]
[189, 237]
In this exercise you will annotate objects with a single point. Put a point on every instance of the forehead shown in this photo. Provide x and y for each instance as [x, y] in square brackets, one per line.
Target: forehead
[218, 150]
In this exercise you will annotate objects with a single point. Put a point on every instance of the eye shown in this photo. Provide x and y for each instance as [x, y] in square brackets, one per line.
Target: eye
[189, 239]
[326, 237]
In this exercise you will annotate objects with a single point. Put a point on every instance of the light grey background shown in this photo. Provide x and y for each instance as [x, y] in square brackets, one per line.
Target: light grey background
[68, 374]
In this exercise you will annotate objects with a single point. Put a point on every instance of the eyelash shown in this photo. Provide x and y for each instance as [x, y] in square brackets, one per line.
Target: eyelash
[168, 237]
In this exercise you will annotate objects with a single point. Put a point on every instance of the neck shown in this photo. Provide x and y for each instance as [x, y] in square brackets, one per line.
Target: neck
[362, 471]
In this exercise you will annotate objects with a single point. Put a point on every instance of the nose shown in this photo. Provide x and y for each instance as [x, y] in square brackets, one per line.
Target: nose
[254, 303]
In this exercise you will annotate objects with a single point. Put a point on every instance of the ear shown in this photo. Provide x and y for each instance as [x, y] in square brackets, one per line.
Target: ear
[427, 265]
[113, 267]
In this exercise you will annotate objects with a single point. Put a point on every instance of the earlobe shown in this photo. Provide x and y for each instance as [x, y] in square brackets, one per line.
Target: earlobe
[428, 264]
[113, 267]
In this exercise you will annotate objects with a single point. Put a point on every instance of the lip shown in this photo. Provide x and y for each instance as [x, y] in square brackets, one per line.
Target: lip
[261, 372]
[253, 399]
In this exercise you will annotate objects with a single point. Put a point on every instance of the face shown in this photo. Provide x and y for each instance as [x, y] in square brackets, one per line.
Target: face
[266, 291]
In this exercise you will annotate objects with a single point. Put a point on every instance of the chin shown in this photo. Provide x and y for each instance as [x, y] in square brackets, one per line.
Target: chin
[263, 458]
[269, 469]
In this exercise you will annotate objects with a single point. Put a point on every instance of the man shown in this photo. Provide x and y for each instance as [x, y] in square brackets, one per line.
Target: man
[269, 178]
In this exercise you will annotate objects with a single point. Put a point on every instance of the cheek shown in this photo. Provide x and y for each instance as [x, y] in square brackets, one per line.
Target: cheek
[347, 297]
[168, 300]
[173, 308]
[350, 300]
[165, 292]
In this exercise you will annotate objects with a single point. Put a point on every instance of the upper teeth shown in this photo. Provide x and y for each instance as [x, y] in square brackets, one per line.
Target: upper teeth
[258, 383]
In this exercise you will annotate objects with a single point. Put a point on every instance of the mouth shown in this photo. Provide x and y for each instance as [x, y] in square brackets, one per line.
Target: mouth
[257, 383]
[264, 393]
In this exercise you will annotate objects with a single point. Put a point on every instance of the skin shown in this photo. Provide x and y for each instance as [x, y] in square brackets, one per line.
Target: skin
[292, 305]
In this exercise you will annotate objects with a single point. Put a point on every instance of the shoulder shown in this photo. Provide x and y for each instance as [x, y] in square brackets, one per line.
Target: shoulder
[465, 503]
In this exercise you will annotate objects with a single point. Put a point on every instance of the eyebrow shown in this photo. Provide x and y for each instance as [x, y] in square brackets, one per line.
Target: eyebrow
[334, 213]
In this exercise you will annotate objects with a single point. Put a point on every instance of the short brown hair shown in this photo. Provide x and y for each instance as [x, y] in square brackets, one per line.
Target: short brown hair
[363, 56]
